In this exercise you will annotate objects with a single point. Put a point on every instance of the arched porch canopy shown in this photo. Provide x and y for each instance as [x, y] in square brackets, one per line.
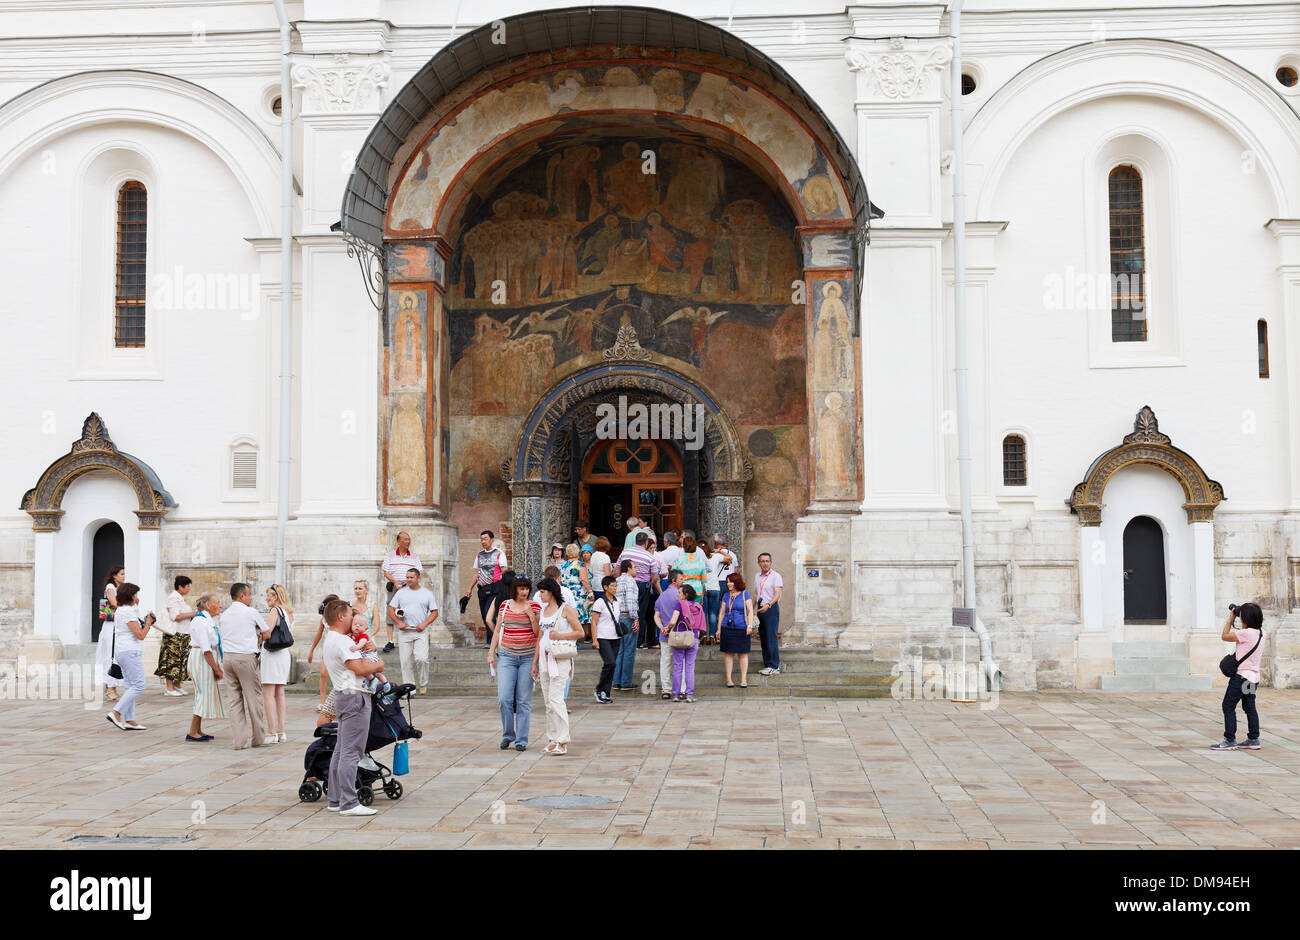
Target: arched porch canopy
[466, 76]
[1146, 445]
[95, 450]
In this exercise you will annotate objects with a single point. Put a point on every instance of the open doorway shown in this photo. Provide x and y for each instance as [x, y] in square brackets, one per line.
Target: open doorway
[106, 551]
[621, 479]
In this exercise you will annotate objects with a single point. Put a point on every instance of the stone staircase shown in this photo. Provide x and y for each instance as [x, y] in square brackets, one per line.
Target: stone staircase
[1153, 666]
[804, 673]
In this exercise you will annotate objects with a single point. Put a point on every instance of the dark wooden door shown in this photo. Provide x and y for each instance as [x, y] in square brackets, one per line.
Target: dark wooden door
[610, 507]
[1144, 572]
[106, 551]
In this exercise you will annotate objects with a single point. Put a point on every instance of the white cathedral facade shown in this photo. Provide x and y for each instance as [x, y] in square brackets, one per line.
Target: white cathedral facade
[1132, 271]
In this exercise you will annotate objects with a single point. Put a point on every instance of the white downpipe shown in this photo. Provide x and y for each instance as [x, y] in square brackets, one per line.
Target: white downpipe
[991, 670]
[286, 291]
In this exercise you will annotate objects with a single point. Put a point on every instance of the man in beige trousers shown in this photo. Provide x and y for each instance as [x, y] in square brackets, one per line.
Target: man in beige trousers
[241, 626]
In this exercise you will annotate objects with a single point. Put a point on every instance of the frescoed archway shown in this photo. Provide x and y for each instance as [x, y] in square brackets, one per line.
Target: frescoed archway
[623, 189]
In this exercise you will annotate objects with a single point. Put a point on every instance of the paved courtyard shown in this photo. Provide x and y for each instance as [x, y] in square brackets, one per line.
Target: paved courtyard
[1049, 770]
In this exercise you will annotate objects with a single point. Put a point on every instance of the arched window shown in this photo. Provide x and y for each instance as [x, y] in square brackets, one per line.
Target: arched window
[129, 295]
[1128, 319]
[1014, 468]
[1261, 337]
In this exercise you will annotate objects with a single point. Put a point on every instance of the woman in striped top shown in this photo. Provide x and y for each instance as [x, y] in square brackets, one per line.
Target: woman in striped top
[516, 663]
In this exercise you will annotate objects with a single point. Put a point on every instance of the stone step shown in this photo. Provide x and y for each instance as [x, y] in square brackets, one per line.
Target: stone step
[1148, 650]
[584, 694]
[80, 652]
[1171, 666]
[1150, 683]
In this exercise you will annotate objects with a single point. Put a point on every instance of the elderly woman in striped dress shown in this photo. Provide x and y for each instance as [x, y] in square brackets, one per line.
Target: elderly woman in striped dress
[205, 666]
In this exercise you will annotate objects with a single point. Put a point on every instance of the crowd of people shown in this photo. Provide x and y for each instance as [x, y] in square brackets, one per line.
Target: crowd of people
[673, 599]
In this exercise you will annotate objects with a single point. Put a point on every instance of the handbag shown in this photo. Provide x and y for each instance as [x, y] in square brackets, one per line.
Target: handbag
[681, 638]
[105, 612]
[564, 650]
[621, 628]
[1230, 663]
[281, 637]
[114, 669]
[401, 759]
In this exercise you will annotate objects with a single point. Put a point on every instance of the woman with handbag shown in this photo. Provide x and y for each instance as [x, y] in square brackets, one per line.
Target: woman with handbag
[559, 647]
[129, 630]
[115, 578]
[736, 619]
[276, 660]
[684, 638]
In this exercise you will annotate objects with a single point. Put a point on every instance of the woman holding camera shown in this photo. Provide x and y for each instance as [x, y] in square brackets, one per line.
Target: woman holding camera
[129, 631]
[735, 614]
[1249, 638]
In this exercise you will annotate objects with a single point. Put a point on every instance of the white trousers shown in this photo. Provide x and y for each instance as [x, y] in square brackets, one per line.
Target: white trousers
[557, 712]
[413, 648]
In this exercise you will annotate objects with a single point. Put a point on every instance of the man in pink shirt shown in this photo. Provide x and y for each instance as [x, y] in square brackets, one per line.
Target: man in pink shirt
[1249, 639]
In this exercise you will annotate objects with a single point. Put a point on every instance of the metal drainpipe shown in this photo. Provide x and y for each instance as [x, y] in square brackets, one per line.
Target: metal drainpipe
[286, 291]
[991, 671]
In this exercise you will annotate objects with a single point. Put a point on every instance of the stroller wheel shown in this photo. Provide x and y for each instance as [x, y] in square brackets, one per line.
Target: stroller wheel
[365, 795]
[310, 791]
[393, 789]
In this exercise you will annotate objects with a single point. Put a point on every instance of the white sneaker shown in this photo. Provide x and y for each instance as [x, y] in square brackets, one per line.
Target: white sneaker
[283, 737]
[359, 810]
[765, 671]
[332, 809]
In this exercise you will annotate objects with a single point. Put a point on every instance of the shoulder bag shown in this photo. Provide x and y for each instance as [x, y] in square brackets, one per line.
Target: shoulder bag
[281, 637]
[114, 669]
[563, 650]
[1230, 663]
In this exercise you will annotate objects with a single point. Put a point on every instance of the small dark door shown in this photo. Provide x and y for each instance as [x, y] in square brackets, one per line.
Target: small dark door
[106, 551]
[1144, 572]
[610, 507]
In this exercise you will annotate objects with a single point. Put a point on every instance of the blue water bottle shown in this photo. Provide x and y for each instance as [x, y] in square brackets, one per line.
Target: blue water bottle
[401, 764]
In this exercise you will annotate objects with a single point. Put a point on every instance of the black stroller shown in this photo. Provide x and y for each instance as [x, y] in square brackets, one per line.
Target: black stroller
[388, 724]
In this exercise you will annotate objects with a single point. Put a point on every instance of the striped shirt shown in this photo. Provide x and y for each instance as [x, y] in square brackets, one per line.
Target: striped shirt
[516, 631]
[642, 561]
[627, 595]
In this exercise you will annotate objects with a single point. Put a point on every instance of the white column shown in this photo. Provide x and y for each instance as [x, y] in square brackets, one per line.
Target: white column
[1092, 565]
[898, 105]
[43, 598]
[1203, 575]
[1284, 325]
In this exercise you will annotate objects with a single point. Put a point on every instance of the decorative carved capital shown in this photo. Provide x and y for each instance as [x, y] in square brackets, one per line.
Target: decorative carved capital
[1146, 429]
[898, 72]
[626, 345]
[341, 87]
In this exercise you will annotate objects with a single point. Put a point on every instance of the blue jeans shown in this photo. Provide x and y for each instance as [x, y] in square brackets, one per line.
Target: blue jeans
[625, 665]
[133, 678]
[711, 601]
[768, 621]
[515, 695]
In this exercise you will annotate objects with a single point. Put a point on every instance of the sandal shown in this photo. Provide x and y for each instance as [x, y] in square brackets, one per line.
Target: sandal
[666, 696]
[744, 685]
[560, 750]
[731, 685]
[550, 748]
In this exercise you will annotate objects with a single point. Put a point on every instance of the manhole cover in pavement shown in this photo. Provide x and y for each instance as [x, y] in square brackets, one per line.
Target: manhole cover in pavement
[567, 802]
[134, 840]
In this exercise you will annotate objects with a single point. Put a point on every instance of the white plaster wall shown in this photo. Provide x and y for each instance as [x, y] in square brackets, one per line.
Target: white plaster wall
[1147, 491]
[98, 497]
[1212, 402]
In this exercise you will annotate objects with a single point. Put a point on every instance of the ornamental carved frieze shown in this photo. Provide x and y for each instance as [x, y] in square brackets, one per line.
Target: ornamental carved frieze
[94, 450]
[898, 72]
[340, 86]
[626, 345]
[1146, 445]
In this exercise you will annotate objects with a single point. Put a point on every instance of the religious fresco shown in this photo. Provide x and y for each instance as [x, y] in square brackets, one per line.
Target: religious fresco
[833, 375]
[693, 262]
[408, 353]
[666, 215]
[742, 109]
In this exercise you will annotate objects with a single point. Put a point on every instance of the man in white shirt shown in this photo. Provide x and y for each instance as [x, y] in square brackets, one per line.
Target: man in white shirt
[352, 702]
[667, 558]
[413, 609]
[241, 626]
